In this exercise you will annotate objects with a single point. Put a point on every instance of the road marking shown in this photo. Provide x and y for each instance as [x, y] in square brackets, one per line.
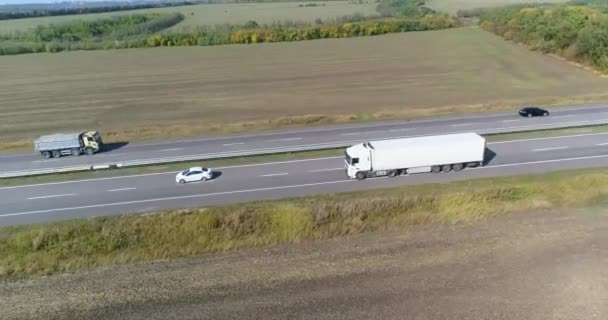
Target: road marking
[540, 162]
[323, 170]
[602, 144]
[287, 139]
[174, 149]
[164, 173]
[404, 129]
[462, 124]
[46, 160]
[291, 161]
[275, 174]
[510, 120]
[267, 189]
[549, 138]
[350, 134]
[233, 144]
[375, 125]
[174, 198]
[53, 196]
[557, 117]
[121, 189]
[547, 149]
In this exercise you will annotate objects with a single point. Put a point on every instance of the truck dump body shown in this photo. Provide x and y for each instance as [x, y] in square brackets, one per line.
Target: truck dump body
[426, 151]
[58, 141]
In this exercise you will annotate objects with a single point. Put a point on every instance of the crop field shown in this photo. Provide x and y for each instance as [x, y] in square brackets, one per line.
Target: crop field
[212, 14]
[452, 6]
[173, 92]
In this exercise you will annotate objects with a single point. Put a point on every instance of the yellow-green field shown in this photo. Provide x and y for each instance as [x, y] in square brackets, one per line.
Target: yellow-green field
[175, 92]
[212, 14]
[452, 6]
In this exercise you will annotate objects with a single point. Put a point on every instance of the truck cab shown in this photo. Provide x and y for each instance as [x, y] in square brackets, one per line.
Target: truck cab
[91, 140]
[358, 160]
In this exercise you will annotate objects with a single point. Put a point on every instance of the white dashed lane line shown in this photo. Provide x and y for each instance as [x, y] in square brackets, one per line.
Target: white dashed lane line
[53, 196]
[547, 149]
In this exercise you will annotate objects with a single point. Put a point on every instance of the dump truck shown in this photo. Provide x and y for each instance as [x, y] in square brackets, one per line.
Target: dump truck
[57, 145]
[440, 153]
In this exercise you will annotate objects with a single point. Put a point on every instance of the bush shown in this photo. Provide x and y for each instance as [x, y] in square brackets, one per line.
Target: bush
[576, 32]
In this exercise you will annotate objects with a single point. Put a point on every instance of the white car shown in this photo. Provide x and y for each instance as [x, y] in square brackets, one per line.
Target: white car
[194, 174]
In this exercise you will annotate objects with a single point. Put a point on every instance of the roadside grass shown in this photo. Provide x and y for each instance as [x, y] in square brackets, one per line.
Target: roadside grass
[175, 167]
[163, 93]
[69, 246]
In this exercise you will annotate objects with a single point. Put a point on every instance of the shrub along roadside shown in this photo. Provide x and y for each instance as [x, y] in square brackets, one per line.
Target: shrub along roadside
[575, 32]
[81, 244]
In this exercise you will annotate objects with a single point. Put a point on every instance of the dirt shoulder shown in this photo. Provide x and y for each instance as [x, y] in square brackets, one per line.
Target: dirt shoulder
[548, 265]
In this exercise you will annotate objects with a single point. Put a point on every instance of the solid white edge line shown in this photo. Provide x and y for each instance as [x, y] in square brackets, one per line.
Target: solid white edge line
[280, 162]
[272, 188]
[52, 196]
[233, 144]
[173, 198]
[396, 123]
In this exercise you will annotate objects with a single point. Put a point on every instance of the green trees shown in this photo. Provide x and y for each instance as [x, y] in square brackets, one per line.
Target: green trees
[151, 30]
[403, 8]
[576, 32]
[115, 32]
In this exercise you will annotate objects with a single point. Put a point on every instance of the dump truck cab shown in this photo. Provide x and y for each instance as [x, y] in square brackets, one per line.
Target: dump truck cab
[91, 140]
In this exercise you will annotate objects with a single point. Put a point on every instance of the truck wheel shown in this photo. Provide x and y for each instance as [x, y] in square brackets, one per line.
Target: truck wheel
[75, 152]
[457, 167]
[56, 154]
[46, 155]
[89, 151]
[393, 173]
[446, 168]
[435, 169]
[473, 164]
[360, 175]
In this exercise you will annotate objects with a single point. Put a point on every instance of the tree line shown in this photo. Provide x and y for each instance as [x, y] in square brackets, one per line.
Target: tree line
[36, 13]
[280, 33]
[573, 31]
[403, 8]
[150, 30]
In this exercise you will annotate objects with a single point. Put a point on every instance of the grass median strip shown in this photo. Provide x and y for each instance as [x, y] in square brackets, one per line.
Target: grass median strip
[82, 244]
[174, 167]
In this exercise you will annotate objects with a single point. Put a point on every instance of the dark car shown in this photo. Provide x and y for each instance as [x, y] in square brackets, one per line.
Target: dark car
[533, 112]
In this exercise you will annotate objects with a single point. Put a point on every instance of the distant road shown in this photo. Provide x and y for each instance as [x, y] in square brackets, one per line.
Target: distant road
[114, 195]
[318, 135]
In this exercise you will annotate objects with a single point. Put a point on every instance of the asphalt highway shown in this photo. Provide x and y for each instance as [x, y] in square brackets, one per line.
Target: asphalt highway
[304, 137]
[115, 195]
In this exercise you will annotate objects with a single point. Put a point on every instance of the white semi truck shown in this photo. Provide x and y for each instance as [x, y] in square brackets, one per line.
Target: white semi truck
[441, 153]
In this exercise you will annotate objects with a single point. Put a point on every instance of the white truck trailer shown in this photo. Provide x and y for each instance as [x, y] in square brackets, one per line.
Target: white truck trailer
[56, 145]
[441, 153]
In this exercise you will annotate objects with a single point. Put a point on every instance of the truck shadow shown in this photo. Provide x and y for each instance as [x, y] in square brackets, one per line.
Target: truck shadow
[488, 156]
[109, 147]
